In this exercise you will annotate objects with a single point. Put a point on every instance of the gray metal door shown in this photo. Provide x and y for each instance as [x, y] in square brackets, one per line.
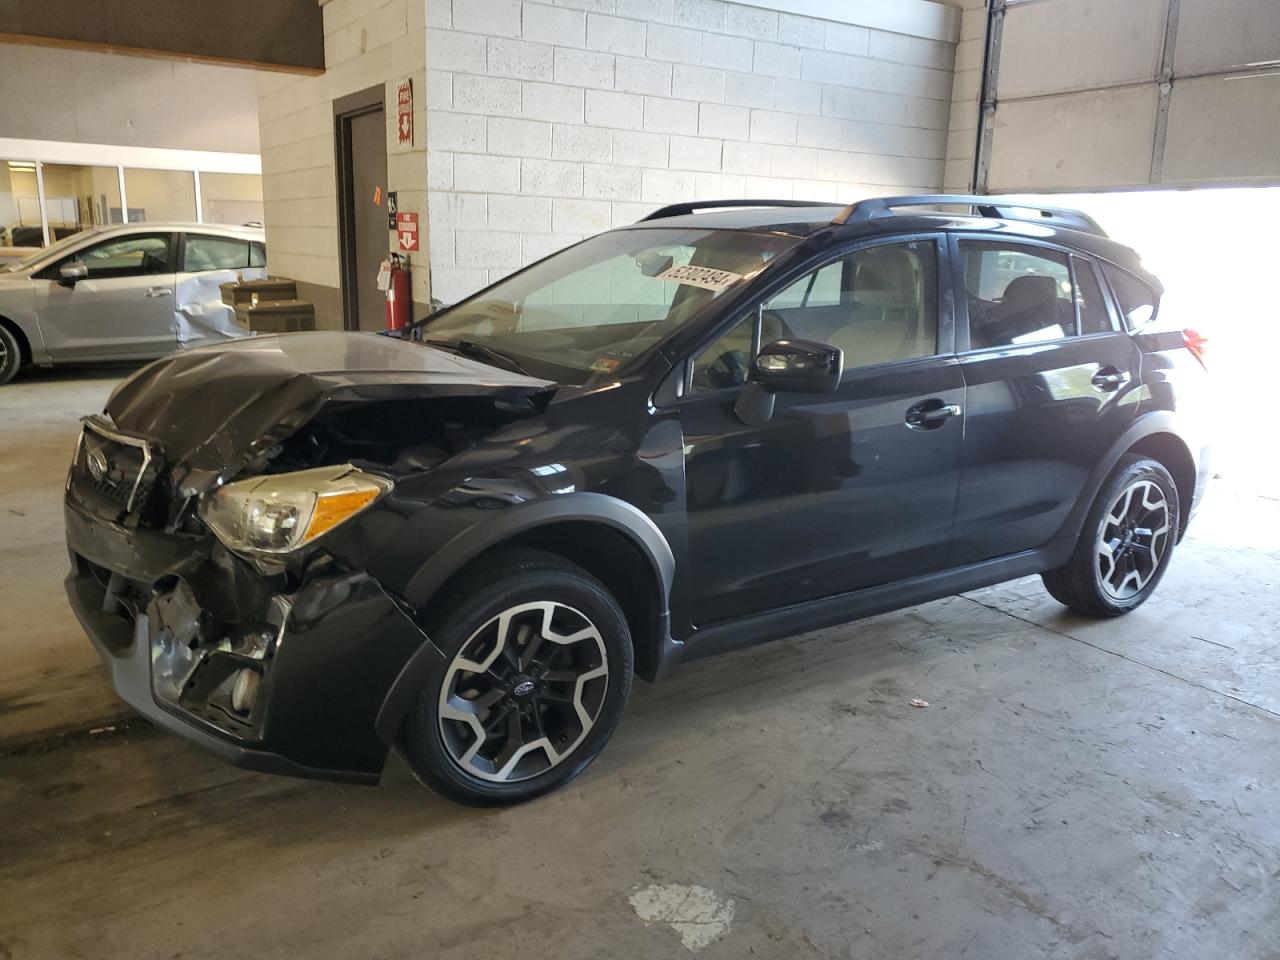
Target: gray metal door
[1093, 94]
[363, 180]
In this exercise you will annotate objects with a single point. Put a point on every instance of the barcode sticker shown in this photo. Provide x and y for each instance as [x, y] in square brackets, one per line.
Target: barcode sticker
[704, 277]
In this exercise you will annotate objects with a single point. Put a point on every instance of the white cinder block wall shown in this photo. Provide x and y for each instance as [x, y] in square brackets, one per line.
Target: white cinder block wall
[551, 121]
[367, 43]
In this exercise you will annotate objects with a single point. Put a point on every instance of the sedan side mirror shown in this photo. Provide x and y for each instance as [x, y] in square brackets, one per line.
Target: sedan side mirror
[71, 272]
[788, 366]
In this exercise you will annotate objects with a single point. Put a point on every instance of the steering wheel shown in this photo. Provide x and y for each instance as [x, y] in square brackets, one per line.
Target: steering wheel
[727, 370]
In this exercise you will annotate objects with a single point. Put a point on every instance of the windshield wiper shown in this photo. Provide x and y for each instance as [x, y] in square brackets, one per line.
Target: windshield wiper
[481, 352]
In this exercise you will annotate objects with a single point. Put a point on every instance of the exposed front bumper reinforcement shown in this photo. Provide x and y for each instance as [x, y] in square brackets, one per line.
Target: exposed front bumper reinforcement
[324, 655]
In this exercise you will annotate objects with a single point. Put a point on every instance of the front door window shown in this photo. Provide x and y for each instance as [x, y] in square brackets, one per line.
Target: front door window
[136, 256]
[877, 304]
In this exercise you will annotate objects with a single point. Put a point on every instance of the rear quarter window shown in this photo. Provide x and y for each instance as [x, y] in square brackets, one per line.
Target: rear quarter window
[1136, 299]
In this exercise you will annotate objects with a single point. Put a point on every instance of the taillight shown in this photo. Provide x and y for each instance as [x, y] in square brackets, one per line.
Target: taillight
[1197, 344]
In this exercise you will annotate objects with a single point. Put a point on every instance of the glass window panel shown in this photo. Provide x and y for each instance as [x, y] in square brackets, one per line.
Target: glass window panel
[215, 253]
[889, 313]
[78, 197]
[1016, 295]
[137, 256]
[726, 362]
[19, 205]
[161, 196]
[1137, 300]
[234, 198]
[1094, 315]
[596, 306]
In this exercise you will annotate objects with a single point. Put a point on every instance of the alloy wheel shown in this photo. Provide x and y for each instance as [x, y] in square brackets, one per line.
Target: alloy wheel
[1132, 539]
[523, 692]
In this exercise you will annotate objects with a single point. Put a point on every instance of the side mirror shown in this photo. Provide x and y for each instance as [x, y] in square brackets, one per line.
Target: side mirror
[798, 366]
[71, 272]
[788, 366]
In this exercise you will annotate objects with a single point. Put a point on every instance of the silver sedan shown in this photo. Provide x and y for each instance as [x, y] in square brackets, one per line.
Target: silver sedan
[120, 293]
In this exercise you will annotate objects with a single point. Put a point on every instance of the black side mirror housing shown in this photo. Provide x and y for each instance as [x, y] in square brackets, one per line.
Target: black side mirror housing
[70, 272]
[788, 366]
[798, 366]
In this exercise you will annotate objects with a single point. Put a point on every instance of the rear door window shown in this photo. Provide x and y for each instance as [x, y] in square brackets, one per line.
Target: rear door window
[215, 253]
[1016, 295]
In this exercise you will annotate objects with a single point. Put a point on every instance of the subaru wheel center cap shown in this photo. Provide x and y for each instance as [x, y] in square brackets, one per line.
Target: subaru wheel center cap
[524, 687]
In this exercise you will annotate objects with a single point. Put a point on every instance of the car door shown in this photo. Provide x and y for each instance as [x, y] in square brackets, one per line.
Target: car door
[1051, 382]
[205, 263]
[835, 491]
[121, 310]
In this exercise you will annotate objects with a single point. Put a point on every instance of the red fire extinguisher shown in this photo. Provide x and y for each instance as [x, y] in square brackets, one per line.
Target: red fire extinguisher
[399, 300]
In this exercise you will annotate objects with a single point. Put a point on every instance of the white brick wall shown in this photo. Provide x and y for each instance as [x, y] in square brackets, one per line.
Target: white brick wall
[370, 42]
[553, 120]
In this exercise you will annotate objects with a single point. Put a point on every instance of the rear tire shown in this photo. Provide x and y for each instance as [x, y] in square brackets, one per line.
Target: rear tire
[1125, 544]
[10, 355]
[537, 670]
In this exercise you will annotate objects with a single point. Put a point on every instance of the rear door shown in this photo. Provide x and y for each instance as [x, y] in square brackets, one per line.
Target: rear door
[123, 310]
[205, 263]
[1051, 380]
[840, 490]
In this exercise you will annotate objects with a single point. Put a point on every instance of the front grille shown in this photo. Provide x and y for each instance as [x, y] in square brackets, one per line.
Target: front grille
[114, 470]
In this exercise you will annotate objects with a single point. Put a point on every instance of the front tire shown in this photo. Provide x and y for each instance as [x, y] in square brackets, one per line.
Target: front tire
[537, 670]
[1125, 545]
[10, 355]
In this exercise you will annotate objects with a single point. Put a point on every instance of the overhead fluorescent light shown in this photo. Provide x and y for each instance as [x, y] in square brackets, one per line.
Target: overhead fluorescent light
[22, 165]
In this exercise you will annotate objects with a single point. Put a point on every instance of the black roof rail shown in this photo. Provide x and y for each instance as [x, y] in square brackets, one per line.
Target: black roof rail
[680, 209]
[1002, 208]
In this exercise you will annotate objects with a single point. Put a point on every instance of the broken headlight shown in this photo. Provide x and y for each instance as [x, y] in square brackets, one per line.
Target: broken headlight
[277, 514]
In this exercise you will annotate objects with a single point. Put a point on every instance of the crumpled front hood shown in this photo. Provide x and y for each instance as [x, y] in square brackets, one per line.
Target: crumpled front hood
[214, 409]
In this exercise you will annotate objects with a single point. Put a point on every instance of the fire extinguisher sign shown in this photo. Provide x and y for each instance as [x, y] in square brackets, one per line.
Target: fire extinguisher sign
[407, 230]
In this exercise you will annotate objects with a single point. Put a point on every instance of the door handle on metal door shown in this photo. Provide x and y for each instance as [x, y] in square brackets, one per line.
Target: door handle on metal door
[158, 292]
[1109, 378]
[924, 416]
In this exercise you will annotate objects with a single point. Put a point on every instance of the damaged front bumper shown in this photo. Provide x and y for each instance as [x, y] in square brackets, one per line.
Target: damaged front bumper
[286, 679]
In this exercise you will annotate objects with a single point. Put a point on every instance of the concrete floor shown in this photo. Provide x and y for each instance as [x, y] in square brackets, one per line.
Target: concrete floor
[1074, 790]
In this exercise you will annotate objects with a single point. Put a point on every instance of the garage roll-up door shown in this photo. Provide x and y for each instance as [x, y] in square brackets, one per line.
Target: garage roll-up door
[1100, 94]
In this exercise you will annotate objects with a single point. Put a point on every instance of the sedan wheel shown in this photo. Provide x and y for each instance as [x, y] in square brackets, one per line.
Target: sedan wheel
[10, 354]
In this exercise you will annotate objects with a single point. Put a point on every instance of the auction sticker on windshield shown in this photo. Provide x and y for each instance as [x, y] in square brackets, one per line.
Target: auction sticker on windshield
[704, 277]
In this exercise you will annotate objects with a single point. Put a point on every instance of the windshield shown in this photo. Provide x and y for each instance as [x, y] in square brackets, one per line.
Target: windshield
[50, 250]
[594, 307]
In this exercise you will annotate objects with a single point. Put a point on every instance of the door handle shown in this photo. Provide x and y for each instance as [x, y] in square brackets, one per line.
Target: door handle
[153, 292]
[1109, 378]
[931, 413]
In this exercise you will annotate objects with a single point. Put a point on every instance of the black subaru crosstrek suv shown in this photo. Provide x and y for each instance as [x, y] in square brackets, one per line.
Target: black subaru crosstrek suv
[702, 431]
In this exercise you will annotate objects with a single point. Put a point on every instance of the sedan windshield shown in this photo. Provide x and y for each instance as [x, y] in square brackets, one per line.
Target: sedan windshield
[596, 306]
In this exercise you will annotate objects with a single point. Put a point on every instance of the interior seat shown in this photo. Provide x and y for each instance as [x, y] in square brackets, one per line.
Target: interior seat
[1030, 304]
[886, 320]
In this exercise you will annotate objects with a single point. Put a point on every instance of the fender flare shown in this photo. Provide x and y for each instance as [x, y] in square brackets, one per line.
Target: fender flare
[597, 508]
[1146, 425]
